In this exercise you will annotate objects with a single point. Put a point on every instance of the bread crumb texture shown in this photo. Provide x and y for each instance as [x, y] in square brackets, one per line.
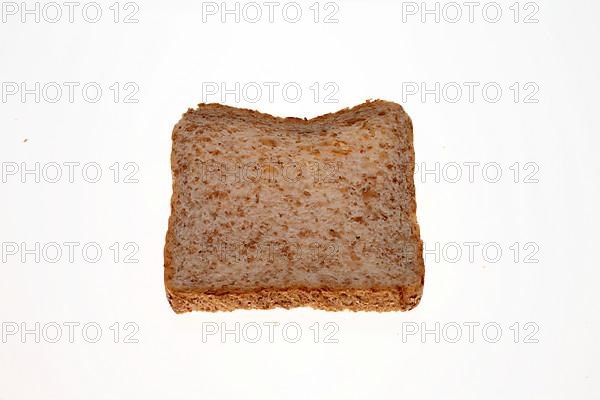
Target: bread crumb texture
[285, 212]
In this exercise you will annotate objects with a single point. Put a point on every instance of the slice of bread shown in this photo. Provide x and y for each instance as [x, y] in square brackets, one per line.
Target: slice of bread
[285, 212]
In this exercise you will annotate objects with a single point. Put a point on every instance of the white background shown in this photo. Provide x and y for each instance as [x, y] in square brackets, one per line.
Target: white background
[369, 53]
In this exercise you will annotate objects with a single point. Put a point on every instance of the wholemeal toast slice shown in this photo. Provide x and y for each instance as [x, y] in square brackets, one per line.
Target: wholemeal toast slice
[286, 212]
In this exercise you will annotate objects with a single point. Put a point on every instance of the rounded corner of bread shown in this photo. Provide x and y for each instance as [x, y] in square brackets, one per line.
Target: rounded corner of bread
[177, 299]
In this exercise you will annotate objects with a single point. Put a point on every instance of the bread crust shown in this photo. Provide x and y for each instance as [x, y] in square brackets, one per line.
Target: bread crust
[396, 298]
[371, 299]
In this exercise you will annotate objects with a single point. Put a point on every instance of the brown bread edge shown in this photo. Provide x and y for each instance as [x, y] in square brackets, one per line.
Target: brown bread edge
[372, 299]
